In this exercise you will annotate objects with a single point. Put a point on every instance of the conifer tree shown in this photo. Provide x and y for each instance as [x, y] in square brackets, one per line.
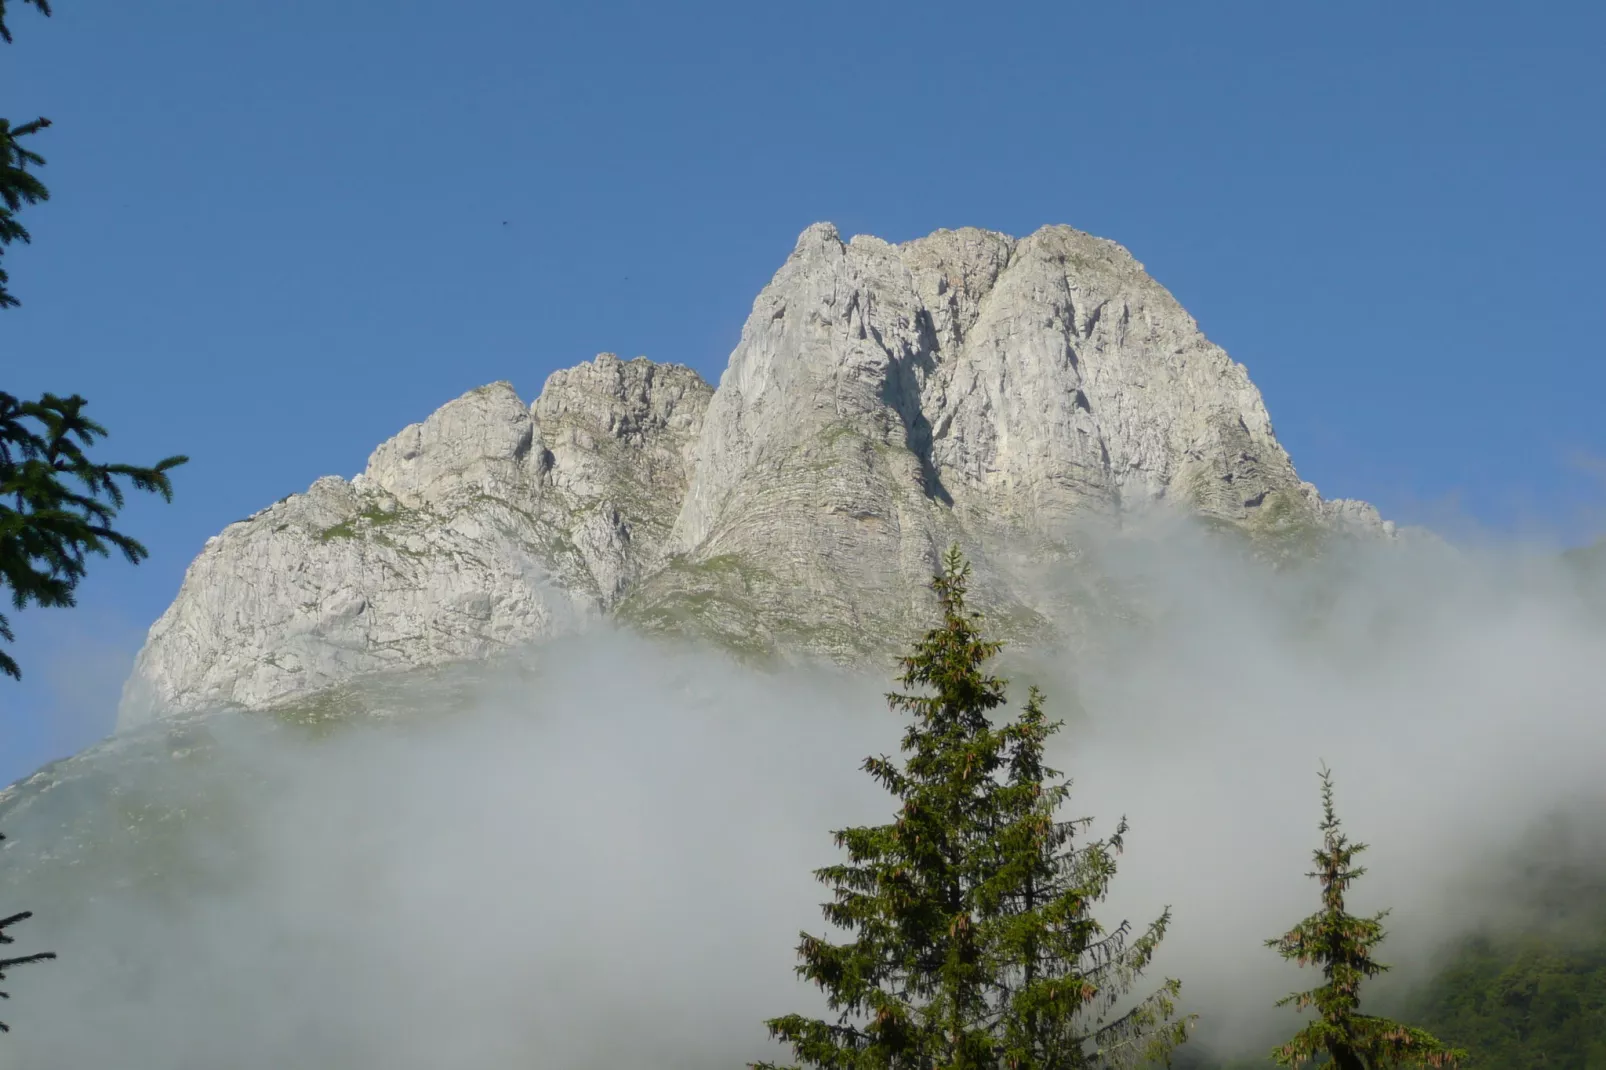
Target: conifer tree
[18, 186]
[976, 945]
[47, 524]
[56, 505]
[1341, 944]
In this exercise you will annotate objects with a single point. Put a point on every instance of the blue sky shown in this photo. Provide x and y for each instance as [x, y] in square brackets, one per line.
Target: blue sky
[280, 232]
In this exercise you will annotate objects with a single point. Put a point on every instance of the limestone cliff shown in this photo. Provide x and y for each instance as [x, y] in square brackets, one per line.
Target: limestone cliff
[489, 525]
[884, 401]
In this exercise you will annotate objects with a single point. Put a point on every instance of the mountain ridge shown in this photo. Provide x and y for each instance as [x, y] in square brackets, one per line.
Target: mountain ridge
[884, 401]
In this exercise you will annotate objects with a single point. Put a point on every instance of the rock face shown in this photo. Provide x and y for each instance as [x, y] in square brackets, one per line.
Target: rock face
[489, 525]
[884, 401]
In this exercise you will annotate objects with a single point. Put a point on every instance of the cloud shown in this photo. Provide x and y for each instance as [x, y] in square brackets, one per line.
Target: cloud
[73, 663]
[604, 855]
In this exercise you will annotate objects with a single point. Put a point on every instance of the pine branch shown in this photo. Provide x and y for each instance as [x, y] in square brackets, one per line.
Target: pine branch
[5, 31]
[57, 506]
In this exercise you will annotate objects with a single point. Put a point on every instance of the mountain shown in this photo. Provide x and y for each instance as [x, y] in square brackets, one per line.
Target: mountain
[455, 811]
[884, 401]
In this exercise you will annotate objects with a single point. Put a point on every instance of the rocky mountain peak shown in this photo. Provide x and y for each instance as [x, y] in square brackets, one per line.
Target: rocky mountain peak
[884, 400]
[480, 442]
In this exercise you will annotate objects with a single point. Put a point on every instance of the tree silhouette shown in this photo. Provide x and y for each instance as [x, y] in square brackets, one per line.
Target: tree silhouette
[56, 505]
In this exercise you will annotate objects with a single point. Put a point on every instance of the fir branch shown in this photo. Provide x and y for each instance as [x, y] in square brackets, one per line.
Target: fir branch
[57, 506]
[5, 31]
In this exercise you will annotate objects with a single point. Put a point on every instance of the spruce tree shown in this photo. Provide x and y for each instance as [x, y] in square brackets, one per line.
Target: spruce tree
[18, 186]
[56, 505]
[976, 945]
[1341, 944]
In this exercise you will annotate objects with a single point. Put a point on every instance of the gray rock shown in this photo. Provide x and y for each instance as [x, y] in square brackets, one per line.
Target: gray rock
[488, 526]
[884, 401]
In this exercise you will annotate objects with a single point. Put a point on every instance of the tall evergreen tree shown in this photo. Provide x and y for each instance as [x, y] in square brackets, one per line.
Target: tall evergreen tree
[1341, 944]
[976, 944]
[56, 505]
[18, 186]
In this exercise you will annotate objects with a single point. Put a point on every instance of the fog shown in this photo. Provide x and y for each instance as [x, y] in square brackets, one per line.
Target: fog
[604, 858]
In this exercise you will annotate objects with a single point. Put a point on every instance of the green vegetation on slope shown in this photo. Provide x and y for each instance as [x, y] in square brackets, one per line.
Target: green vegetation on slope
[1522, 1002]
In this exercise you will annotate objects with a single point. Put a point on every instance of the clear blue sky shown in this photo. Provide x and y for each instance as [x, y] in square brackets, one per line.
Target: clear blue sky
[276, 233]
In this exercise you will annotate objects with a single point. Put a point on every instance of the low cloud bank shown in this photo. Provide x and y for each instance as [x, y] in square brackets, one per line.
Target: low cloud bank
[1456, 695]
[605, 857]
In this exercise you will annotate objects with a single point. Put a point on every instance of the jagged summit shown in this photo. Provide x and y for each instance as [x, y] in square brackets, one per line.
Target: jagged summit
[884, 401]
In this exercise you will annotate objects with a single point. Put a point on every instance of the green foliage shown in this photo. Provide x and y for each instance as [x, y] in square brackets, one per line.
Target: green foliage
[372, 516]
[17, 185]
[976, 945]
[56, 505]
[1523, 1002]
[1341, 944]
[5, 30]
